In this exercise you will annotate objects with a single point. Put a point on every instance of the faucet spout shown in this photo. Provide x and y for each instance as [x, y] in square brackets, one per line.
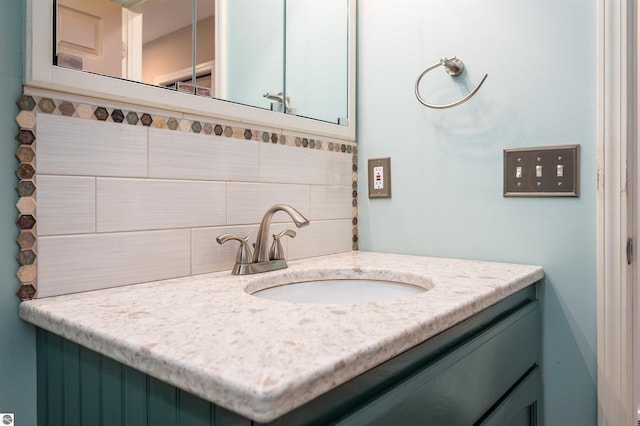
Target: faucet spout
[261, 252]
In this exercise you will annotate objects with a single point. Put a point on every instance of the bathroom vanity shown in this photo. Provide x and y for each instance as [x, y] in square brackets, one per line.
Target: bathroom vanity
[202, 350]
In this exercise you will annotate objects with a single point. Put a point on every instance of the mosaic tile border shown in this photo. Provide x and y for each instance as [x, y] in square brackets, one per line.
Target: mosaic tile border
[29, 105]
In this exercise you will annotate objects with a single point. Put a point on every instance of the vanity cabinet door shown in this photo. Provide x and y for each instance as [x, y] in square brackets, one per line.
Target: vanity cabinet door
[463, 385]
[521, 407]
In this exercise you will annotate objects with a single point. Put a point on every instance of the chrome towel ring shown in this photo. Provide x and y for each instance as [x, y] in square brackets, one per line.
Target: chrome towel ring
[454, 67]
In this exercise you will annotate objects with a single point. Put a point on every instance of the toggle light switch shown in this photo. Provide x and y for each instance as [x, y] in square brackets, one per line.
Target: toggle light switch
[545, 171]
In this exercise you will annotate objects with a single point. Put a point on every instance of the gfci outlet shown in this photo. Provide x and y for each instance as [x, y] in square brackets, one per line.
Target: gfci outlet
[380, 177]
[544, 171]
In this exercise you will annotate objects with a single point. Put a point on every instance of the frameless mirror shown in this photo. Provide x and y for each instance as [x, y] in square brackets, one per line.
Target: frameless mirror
[288, 56]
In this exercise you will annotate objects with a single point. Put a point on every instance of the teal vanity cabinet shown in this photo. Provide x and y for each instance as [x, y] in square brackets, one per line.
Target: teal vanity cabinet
[482, 371]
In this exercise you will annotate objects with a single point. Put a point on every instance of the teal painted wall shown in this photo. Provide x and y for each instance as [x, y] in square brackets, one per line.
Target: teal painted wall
[447, 164]
[17, 340]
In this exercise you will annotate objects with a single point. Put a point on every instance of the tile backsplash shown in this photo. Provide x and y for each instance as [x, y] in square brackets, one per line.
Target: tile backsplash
[112, 196]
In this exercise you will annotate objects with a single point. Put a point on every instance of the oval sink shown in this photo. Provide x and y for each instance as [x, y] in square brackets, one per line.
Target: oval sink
[340, 291]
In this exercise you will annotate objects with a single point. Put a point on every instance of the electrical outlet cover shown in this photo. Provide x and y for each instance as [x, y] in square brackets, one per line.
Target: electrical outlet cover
[380, 177]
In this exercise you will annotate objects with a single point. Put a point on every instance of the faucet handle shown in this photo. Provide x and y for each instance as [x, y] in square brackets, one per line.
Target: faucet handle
[277, 252]
[244, 252]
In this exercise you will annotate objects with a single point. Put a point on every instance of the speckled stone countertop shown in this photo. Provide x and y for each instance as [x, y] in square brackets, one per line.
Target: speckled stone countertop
[262, 358]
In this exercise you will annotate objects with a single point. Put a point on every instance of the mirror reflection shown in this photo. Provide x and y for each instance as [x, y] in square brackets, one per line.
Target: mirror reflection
[289, 56]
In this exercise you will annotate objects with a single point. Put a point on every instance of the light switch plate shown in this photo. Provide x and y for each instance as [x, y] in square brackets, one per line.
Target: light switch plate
[380, 177]
[543, 171]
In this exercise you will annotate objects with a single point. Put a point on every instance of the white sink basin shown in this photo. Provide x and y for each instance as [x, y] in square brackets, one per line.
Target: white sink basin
[340, 291]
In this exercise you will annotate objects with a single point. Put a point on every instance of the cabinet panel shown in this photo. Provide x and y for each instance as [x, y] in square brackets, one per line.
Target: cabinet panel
[460, 387]
[521, 406]
[79, 387]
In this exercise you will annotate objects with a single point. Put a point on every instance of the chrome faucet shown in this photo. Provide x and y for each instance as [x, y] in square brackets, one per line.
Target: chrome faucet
[278, 97]
[264, 259]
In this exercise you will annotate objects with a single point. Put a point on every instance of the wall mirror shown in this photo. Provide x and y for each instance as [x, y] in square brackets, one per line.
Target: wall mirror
[285, 57]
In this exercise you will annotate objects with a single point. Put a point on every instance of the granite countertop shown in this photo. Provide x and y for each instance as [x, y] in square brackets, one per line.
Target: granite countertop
[262, 358]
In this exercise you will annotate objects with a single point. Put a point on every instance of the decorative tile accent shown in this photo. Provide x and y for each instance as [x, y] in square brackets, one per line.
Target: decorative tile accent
[184, 125]
[26, 155]
[26, 188]
[25, 137]
[26, 103]
[84, 111]
[172, 123]
[132, 118]
[26, 205]
[146, 119]
[25, 171]
[26, 292]
[26, 221]
[67, 108]
[26, 119]
[117, 116]
[159, 121]
[101, 113]
[26, 257]
[26, 240]
[47, 105]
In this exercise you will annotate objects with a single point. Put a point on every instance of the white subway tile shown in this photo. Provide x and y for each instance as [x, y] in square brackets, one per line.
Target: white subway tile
[321, 238]
[331, 202]
[145, 204]
[286, 164]
[180, 155]
[342, 169]
[248, 202]
[66, 205]
[74, 146]
[70, 264]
